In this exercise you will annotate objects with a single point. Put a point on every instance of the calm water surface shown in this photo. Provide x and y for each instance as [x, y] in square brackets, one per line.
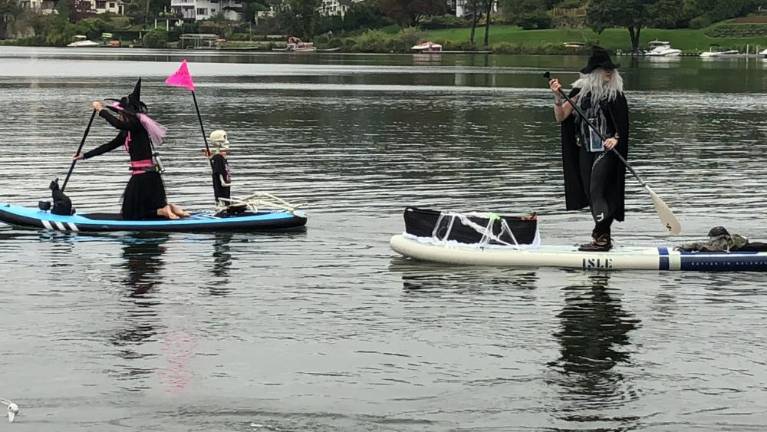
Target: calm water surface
[326, 329]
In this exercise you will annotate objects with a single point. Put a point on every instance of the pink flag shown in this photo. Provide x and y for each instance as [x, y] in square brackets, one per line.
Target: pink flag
[181, 78]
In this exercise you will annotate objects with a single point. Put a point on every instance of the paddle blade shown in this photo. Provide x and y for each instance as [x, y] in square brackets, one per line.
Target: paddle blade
[181, 78]
[664, 212]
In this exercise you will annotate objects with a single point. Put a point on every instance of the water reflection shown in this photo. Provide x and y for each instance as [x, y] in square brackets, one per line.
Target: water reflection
[428, 278]
[594, 339]
[222, 263]
[142, 261]
[142, 258]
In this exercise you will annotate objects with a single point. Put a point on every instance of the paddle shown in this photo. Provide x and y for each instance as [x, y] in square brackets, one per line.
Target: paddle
[664, 212]
[182, 78]
[79, 149]
[62, 205]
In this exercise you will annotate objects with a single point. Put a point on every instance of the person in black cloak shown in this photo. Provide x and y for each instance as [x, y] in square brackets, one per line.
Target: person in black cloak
[594, 176]
[144, 196]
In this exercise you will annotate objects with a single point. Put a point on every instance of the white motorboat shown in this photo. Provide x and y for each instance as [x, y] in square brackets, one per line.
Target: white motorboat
[718, 54]
[82, 41]
[663, 50]
[427, 47]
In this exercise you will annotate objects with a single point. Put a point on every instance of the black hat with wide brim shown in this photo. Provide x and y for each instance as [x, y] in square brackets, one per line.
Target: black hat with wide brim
[600, 58]
[132, 103]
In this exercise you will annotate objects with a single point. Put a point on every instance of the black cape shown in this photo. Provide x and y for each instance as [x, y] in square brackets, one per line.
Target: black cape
[576, 196]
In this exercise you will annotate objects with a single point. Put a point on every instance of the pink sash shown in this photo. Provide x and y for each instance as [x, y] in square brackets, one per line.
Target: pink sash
[141, 166]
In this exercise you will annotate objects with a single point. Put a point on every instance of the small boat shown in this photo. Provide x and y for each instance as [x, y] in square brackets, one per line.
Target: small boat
[494, 240]
[576, 45]
[662, 49]
[763, 53]
[427, 47]
[718, 54]
[83, 42]
[296, 45]
[27, 217]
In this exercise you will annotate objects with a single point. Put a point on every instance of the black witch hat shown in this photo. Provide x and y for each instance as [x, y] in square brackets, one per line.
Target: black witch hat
[600, 58]
[131, 103]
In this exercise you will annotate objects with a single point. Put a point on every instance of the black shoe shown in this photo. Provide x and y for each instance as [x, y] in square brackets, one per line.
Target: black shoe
[599, 244]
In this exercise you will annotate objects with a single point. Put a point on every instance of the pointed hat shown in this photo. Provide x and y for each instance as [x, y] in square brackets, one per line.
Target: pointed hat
[131, 103]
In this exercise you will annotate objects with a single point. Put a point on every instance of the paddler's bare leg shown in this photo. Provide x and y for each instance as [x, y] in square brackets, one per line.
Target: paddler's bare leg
[166, 212]
[178, 210]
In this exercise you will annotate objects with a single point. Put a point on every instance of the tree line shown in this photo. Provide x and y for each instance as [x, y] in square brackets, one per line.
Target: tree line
[304, 18]
[635, 15]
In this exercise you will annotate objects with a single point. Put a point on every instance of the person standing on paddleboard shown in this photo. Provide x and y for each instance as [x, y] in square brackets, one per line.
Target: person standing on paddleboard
[144, 196]
[594, 175]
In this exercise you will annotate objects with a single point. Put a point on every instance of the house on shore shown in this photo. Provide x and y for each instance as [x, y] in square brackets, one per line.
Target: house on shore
[197, 10]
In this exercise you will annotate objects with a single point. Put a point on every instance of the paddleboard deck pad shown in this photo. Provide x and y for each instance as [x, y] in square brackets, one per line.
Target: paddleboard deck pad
[198, 222]
[493, 240]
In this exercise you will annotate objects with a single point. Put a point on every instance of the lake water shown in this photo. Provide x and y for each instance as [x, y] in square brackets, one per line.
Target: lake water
[326, 329]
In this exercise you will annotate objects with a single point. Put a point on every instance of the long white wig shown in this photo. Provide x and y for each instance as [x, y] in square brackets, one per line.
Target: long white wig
[593, 83]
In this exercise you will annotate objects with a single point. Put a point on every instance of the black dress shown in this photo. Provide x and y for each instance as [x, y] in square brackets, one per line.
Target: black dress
[145, 192]
[220, 168]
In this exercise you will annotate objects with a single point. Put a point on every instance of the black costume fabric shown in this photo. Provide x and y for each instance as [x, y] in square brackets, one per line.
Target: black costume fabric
[425, 223]
[598, 179]
[145, 193]
[220, 168]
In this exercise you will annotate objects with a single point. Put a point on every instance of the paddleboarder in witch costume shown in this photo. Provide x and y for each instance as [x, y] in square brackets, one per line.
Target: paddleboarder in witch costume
[144, 196]
[594, 175]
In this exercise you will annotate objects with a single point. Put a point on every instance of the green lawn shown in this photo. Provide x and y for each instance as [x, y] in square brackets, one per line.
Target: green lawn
[613, 38]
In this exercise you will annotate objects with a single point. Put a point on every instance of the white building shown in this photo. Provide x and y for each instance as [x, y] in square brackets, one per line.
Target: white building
[196, 10]
[462, 8]
[327, 8]
[116, 7]
[335, 7]
[44, 7]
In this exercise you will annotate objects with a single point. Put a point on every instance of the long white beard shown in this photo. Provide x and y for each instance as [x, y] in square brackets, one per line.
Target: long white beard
[594, 84]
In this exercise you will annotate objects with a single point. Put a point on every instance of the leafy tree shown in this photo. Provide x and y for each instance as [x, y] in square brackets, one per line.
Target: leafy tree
[488, 6]
[250, 8]
[407, 13]
[144, 11]
[513, 9]
[669, 14]
[156, 38]
[299, 17]
[9, 11]
[473, 7]
[527, 13]
[364, 14]
[632, 14]
[718, 10]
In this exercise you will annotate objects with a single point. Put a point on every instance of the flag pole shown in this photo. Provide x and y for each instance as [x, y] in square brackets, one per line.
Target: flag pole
[182, 78]
[207, 148]
[202, 128]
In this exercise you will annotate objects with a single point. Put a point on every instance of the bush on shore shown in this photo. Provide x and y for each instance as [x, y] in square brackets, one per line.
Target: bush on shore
[156, 38]
[378, 41]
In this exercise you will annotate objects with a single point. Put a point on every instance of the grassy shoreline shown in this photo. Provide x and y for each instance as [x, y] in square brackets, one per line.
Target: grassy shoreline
[507, 39]
[532, 41]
